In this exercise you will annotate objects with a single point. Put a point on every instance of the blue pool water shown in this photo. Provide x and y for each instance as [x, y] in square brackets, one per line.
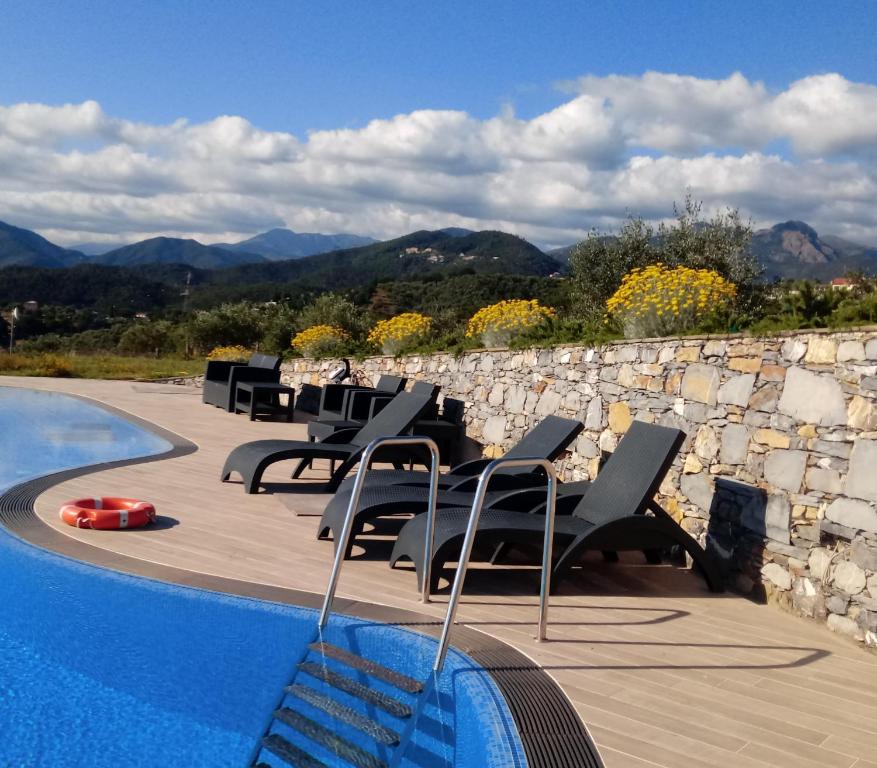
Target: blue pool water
[99, 668]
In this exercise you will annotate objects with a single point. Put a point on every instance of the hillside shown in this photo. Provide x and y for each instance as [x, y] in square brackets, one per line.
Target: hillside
[21, 247]
[172, 250]
[109, 289]
[280, 244]
[794, 250]
[409, 256]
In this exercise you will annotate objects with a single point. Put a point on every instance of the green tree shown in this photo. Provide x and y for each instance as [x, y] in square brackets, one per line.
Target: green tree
[229, 324]
[334, 309]
[148, 338]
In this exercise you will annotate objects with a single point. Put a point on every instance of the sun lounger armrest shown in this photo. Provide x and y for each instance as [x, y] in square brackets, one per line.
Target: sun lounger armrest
[218, 370]
[565, 505]
[502, 482]
[341, 436]
[471, 468]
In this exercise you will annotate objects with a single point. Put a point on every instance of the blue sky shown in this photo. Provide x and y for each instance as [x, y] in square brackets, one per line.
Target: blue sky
[218, 120]
[296, 66]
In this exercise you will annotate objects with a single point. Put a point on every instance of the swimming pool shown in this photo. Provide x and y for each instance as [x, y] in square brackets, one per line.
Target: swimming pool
[99, 668]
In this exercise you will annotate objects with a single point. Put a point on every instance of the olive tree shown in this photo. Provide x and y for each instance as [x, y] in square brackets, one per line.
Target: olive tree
[721, 243]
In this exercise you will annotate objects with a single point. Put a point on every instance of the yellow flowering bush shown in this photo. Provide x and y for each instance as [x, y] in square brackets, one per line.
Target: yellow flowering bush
[236, 354]
[499, 323]
[400, 332]
[663, 301]
[319, 340]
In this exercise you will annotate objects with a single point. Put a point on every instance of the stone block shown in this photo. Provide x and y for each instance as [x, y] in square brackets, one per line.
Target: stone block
[837, 604]
[745, 364]
[515, 399]
[813, 398]
[586, 447]
[549, 403]
[830, 448]
[494, 429]
[819, 562]
[714, 348]
[821, 351]
[706, 444]
[619, 417]
[863, 555]
[793, 350]
[594, 416]
[496, 395]
[777, 575]
[765, 399]
[687, 354]
[735, 444]
[737, 390]
[699, 489]
[869, 383]
[771, 438]
[772, 372]
[850, 350]
[848, 577]
[826, 480]
[871, 349]
[607, 441]
[692, 465]
[785, 469]
[853, 514]
[701, 383]
[808, 599]
[625, 376]
[862, 477]
[844, 626]
[862, 414]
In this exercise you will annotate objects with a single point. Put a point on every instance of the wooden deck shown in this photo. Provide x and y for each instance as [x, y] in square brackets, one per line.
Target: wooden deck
[662, 672]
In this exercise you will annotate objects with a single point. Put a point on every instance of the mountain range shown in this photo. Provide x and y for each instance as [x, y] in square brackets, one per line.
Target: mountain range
[281, 244]
[789, 250]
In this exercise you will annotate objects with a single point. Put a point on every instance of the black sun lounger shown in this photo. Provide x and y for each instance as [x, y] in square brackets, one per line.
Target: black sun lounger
[609, 516]
[547, 440]
[251, 460]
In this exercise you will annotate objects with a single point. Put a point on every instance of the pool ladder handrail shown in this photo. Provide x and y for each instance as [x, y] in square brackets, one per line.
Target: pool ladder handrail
[353, 506]
[469, 540]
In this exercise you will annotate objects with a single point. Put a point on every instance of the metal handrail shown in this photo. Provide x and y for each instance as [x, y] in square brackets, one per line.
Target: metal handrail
[474, 516]
[353, 506]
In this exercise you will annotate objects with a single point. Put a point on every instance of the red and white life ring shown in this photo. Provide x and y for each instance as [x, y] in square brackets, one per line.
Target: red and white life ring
[107, 513]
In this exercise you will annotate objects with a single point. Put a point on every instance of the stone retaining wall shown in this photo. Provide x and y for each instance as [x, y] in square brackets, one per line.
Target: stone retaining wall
[778, 476]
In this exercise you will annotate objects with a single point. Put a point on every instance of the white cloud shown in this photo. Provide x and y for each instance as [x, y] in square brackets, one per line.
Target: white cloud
[617, 145]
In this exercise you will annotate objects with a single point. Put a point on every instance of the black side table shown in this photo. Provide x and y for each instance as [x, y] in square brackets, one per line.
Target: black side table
[260, 398]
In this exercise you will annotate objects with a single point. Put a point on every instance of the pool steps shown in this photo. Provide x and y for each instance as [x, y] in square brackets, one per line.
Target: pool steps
[319, 733]
[328, 718]
[354, 688]
[371, 668]
[348, 714]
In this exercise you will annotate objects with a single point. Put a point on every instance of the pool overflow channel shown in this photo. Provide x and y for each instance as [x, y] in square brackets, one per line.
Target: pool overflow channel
[350, 704]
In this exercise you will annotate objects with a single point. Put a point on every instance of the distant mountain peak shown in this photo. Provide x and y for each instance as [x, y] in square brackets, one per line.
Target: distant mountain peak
[22, 247]
[279, 244]
[793, 249]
